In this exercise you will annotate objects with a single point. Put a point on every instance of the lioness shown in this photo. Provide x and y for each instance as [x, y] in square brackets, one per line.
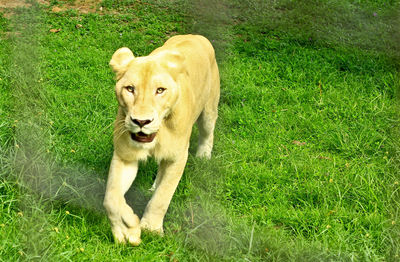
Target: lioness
[160, 97]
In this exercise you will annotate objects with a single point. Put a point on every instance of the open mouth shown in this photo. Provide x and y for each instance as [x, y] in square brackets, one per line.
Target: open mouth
[142, 137]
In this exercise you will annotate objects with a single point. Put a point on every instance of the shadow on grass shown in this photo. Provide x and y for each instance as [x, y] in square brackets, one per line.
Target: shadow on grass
[369, 25]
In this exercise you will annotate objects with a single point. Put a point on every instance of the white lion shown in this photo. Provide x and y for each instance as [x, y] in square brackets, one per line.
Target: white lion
[160, 97]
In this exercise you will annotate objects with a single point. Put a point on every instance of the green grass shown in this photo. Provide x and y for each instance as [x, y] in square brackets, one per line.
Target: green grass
[306, 158]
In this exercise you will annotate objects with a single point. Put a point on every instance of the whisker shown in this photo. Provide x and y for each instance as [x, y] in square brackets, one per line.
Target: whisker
[119, 128]
[120, 135]
[119, 122]
[119, 131]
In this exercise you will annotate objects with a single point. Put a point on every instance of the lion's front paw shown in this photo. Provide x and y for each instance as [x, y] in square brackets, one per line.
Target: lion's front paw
[123, 234]
[146, 224]
[125, 225]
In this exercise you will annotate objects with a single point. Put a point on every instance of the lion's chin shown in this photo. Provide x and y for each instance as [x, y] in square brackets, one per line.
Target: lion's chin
[142, 137]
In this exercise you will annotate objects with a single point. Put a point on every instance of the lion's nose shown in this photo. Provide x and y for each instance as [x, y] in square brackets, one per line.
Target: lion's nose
[141, 123]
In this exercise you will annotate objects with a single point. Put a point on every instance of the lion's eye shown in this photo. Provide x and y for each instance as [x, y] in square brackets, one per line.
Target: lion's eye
[130, 89]
[160, 90]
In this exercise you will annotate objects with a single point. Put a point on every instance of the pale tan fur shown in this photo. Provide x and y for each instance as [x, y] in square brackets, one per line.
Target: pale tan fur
[186, 66]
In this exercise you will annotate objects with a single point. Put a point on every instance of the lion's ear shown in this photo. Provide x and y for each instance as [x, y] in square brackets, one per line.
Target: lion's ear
[174, 62]
[120, 61]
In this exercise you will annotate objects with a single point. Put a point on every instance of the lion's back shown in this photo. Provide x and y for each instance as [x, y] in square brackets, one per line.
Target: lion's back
[196, 48]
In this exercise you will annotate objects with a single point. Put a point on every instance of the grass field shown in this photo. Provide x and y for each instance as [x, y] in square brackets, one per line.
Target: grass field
[306, 159]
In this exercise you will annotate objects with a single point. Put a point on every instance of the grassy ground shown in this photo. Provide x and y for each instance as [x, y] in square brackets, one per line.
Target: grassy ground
[306, 159]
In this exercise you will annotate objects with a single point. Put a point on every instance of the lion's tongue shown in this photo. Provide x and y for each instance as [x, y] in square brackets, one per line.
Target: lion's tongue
[142, 137]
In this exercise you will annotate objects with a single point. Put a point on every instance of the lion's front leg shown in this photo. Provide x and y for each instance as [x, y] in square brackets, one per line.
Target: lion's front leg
[125, 225]
[167, 180]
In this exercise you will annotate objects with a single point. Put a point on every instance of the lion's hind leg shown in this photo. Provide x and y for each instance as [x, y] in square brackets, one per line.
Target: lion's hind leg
[206, 125]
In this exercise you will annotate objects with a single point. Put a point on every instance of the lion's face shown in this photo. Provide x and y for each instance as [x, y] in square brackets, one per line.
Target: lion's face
[146, 91]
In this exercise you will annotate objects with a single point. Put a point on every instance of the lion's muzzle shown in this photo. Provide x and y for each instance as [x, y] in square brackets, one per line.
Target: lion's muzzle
[141, 123]
[142, 137]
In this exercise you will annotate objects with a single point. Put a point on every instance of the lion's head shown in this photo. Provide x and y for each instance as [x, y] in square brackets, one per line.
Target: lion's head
[146, 89]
